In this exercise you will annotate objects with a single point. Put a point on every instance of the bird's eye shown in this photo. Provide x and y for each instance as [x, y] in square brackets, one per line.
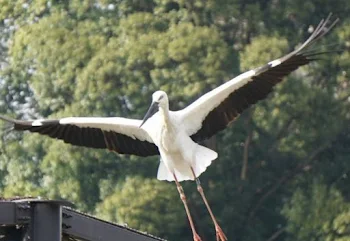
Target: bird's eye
[161, 97]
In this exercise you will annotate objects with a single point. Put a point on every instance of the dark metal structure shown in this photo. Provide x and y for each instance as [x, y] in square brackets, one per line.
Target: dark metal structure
[54, 220]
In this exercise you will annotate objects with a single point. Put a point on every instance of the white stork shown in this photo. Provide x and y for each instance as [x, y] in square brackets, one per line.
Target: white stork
[174, 134]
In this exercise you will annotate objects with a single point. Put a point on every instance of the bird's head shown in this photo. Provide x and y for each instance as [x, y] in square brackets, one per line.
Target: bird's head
[159, 100]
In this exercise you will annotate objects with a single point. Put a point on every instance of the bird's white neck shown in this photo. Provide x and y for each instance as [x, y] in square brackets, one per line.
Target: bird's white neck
[164, 113]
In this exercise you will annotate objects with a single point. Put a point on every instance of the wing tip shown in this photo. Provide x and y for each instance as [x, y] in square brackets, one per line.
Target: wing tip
[7, 119]
[324, 26]
[19, 125]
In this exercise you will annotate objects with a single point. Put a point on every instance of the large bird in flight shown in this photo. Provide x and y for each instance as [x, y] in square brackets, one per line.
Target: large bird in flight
[174, 135]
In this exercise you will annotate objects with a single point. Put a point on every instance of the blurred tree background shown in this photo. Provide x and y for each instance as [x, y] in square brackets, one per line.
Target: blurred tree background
[284, 165]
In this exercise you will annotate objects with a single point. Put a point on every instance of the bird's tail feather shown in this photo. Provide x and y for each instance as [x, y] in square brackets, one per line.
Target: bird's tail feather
[164, 174]
[202, 158]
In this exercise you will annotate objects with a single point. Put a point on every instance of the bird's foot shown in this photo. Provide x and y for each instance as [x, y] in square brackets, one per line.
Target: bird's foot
[220, 236]
[196, 237]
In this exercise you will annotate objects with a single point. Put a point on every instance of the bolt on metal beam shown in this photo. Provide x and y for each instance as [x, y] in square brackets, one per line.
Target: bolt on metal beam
[45, 219]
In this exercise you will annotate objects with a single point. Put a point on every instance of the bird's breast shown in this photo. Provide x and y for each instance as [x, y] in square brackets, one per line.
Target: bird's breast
[168, 139]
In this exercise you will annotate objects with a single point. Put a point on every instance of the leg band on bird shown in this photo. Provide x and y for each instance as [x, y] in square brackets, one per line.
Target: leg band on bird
[181, 192]
[198, 181]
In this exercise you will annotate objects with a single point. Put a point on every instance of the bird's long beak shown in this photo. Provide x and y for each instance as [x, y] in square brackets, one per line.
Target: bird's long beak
[151, 111]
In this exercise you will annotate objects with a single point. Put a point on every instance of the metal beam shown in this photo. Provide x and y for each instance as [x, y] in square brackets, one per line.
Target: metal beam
[8, 213]
[42, 220]
[86, 227]
[12, 213]
[12, 233]
[46, 221]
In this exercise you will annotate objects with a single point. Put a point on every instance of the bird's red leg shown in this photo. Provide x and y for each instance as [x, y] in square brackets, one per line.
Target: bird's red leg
[183, 198]
[220, 236]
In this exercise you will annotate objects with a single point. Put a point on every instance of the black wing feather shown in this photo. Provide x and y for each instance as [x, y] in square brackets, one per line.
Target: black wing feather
[88, 137]
[261, 84]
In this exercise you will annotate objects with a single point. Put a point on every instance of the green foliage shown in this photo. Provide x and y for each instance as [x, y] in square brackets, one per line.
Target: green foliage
[317, 213]
[128, 202]
[106, 57]
[341, 228]
[261, 49]
[54, 50]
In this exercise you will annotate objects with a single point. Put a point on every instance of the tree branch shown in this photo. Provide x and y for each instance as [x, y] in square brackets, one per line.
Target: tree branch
[247, 142]
[281, 133]
[276, 234]
[284, 179]
[245, 155]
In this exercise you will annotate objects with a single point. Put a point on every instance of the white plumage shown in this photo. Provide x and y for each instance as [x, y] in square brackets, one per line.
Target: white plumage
[174, 134]
[170, 131]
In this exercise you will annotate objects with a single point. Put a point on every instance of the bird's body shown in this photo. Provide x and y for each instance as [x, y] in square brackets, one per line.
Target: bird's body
[177, 150]
[175, 134]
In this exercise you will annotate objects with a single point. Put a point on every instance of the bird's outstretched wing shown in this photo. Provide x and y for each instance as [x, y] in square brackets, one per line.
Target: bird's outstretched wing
[114, 133]
[216, 109]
